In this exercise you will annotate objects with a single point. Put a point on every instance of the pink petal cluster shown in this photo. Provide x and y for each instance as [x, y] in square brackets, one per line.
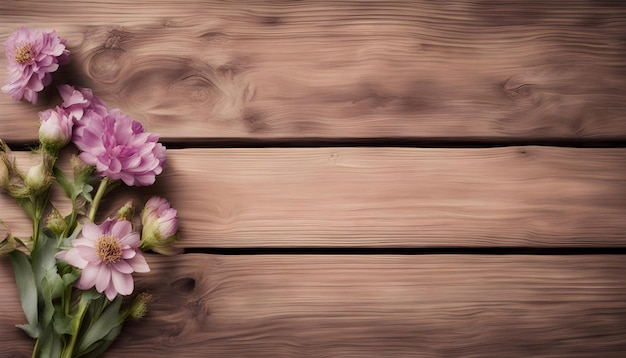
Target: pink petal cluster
[108, 254]
[79, 102]
[55, 130]
[119, 148]
[160, 226]
[33, 54]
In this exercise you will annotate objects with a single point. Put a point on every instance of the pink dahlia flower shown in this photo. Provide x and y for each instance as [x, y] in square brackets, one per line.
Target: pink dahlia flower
[33, 54]
[160, 226]
[119, 148]
[108, 255]
[55, 130]
[81, 102]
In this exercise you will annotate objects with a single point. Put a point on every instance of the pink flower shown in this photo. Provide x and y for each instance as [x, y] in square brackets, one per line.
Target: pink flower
[55, 130]
[108, 255]
[33, 54]
[81, 102]
[119, 148]
[160, 226]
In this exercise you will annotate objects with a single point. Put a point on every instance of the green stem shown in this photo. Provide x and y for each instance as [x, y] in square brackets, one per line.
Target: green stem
[36, 224]
[41, 202]
[68, 350]
[36, 349]
[70, 227]
[96, 200]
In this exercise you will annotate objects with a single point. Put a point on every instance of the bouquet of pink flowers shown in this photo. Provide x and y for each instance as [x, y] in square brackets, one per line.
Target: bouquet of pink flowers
[72, 273]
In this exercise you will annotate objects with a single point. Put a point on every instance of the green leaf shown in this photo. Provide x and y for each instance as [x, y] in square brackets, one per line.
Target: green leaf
[27, 206]
[19, 241]
[99, 347]
[102, 326]
[30, 329]
[64, 182]
[62, 324]
[71, 277]
[43, 257]
[27, 289]
[50, 344]
[52, 287]
[86, 192]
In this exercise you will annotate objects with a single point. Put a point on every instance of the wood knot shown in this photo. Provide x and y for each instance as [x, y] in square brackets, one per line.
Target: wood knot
[186, 284]
[270, 20]
[198, 87]
[104, 66]
[519, 90]
[116, 39]
[254, 121]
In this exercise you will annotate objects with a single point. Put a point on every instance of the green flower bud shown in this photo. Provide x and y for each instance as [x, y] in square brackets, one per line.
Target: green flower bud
[56, 222]
[139, 307]
[38, 178]
[82, 172]
[126, 212]
[8, 243]
[7, 167]
[4, 175]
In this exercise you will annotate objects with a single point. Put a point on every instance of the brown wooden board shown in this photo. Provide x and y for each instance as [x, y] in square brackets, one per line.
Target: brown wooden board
[368, 306]
[469, 70]
[387, 197]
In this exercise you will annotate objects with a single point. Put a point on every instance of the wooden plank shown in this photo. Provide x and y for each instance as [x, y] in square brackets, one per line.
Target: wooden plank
[370, 306]
[342, 69]
[391, 197]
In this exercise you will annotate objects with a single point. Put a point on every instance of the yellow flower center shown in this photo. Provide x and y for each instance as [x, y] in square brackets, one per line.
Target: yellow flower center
[108, 249]
[24, 54]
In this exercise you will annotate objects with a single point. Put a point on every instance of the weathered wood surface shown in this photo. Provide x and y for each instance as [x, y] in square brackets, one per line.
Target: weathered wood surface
[370, 306]
[334, 69]
[389, 197]
[445, 71]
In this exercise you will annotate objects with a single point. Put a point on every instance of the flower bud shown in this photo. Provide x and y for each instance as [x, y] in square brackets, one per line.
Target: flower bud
[80, 169]
[38, 179]
[7, 244]
[139, 307]
[126, 212]
[160, 226]
[12, 180]
[55, 130]
[7, 166]
[56, 222]
[4, 174]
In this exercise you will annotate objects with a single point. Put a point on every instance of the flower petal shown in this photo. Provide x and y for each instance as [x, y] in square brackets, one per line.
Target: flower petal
[121, 228]
[91, 231]
[110, 292]
[122, 267]
[88, 253]
[103, 280]
[123, 282]
[139, 263]
[88, 277]
[132, 240]
[72, 257]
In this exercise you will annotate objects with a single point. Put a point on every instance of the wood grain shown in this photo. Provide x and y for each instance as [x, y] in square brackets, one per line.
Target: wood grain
[484, 70]
[389, 197]
[370, 306]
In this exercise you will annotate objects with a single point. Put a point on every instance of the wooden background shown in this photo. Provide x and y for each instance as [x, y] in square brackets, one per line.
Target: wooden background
[398, 178]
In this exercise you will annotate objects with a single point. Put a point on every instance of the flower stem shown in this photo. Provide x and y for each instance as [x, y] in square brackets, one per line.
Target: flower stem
[36, 349]
[68, 350]
[96, 200]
